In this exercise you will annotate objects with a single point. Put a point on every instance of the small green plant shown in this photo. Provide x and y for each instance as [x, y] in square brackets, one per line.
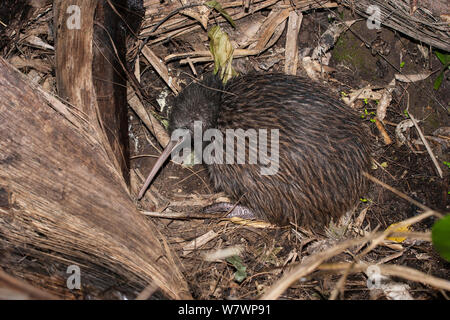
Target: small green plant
[405, 112]
[402, 64]
[241, 269]
[444, 58]
[370, 115]
[222, 51]
[440, 235]
[165, 123]
[447, 164]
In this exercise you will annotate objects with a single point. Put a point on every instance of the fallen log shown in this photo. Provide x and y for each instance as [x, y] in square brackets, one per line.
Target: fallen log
[63, 199]
[63, 202]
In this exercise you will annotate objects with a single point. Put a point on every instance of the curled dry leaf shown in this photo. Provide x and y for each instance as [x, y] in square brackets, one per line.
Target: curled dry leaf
[314, 69]
[222, 51]
[245, 33]
[38, 42]
[222, 254]
[270, 25]
[412, 77]
[37, 64]
[329, 38]
[364, 93]
[402, 127]
[394, 227]
[396, 291]
[385, 101]
[201, 14]
[383, 132]
[199, 241]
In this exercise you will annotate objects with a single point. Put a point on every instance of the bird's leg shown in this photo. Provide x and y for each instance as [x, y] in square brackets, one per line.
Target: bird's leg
[232, 209]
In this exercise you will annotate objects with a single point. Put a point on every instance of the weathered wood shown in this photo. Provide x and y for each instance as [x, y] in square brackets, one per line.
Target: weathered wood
[109, 78]
[12, 288]
[155, 12]
[426, 24]
[291, 53]
[64, 202]
[74, 30]
[420, 24]
[74, 53]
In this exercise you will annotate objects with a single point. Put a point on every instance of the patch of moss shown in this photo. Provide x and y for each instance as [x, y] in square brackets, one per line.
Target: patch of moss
[350, 51]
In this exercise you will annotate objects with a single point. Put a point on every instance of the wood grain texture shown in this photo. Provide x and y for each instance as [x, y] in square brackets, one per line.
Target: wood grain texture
[65, 201]
[110, 80]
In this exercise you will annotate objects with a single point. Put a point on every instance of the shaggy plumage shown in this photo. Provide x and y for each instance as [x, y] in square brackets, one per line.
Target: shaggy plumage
[322, 145]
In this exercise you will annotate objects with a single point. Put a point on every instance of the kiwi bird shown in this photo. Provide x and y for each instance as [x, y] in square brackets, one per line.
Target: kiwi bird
[322, 145]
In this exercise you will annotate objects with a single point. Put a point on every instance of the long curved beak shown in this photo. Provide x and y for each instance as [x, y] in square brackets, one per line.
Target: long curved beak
[162, 158]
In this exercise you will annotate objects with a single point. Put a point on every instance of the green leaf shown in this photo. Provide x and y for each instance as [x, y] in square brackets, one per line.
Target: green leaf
[440, 234]
[402, 64]
[217, 6]
[444, 58]
[241, 269]
[438, 81]
[165, 123]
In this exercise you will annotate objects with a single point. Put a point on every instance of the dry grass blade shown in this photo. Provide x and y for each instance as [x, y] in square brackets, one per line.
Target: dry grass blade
[153, 125]
[311, 265]
[160, 68]
[427, 146]
[376, 238]
[391, 270]
[404, 196]
[339, 289]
